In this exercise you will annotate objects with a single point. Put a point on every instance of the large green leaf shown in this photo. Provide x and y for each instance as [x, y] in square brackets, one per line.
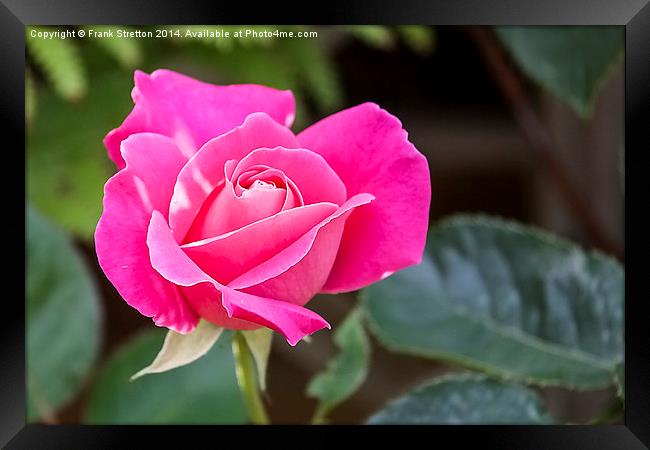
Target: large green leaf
[506, 299]
[202, 392]
[67, 164]
[63, 319]
[571, 62]
[463, 399]
[346, 372]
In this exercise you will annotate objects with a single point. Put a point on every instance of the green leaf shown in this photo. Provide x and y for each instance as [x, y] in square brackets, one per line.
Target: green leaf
[67, 164]
[182, 349]
[347, 371]
[506, 299]
[259, 342]
[465, 399]
[571, 62]
[60, 62]
[204, 392]
[126, 51]
[63, 319]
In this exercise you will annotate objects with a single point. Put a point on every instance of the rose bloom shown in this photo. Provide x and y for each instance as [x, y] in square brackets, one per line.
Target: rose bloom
[220, 212]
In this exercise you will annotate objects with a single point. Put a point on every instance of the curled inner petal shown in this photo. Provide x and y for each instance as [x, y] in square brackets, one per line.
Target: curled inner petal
[244, 198]
[307, 171]
[204, 172]
[264, 177]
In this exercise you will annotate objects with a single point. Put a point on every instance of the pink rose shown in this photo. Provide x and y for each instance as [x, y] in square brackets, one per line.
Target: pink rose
[220, 212]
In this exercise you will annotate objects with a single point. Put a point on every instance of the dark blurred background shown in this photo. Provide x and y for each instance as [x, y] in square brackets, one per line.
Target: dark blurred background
[443, 89]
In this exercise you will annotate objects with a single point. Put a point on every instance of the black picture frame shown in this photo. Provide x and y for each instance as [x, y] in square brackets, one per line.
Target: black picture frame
[633, 14]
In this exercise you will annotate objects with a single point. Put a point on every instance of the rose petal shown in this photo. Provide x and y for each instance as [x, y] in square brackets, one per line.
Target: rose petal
[370, 152]
[205, 170]
[227, 256]
[130, 196]
[192, 112]
[296, 273]
[232, 207]
[224, 211]
[294, 322]
[293, 198]
[204, 299]
[316, 180]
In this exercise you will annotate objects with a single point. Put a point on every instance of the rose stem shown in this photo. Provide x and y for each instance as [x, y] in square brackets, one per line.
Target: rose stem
[245, 370]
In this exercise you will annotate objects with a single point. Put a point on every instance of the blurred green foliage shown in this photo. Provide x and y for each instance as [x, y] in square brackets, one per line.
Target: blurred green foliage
[620, 380]
[572, 63]
[127, 52]
[59, 60]
[345, 373]
[30, 97]
[204, 392]
[420, 39]
[63, 319]
[373, 35]
[67, 164]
